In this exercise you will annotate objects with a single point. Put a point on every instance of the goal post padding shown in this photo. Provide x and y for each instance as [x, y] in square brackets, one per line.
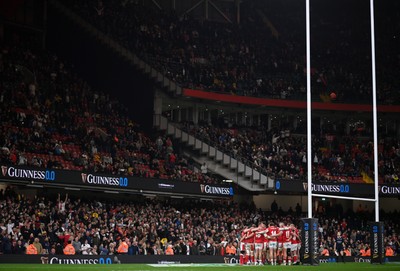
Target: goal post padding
[309, 252]
[377, 245]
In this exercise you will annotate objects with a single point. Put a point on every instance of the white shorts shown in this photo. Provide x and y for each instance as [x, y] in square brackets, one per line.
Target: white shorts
[287, 245]
[280, 245]
[294, 247]
[273, 244]
[259, 246]
[242, 246]
[249, 247]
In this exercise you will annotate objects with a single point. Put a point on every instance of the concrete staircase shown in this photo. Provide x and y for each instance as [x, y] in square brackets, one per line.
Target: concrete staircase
[223, 164]
[171, 86]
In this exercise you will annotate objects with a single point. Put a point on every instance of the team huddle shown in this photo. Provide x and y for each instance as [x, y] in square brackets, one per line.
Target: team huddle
[273, 244]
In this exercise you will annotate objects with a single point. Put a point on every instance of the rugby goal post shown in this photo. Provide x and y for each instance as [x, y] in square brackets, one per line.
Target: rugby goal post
[309, 225]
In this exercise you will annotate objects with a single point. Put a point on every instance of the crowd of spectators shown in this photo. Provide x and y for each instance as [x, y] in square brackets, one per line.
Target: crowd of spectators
[251, 58]
[98, 227]
[201, 54]
[52, 118]
[283, 155]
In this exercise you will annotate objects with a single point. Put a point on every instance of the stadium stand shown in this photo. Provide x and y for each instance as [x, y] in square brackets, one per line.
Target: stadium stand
[102, 224]
[53, 119]
[283, 154]
[225, 58]
[87, 137]
[191, 55]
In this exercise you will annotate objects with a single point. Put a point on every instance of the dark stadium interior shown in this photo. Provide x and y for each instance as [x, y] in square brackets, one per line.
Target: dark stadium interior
[207, 95]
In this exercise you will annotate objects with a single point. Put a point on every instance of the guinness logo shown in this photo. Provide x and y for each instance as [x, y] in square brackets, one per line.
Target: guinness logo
[305, 186]
[83, 176]
[202, 187]
[4, 170]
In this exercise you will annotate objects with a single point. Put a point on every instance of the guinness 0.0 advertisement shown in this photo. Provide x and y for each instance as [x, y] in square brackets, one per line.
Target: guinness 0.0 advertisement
[115, 259]
[91, 180]
[216, 190]
[160, 260]
[309, 254]
[342, 189]
[377, 242]
[305, 237]
[36, 174]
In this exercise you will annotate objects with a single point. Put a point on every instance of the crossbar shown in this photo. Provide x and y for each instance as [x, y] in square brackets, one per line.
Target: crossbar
[341, 197]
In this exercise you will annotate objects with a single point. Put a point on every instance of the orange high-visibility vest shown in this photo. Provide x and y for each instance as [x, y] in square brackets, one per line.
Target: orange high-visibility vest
[230, 250]
[31, 249]
[123, 248]
[69, 250]
[169, 251]
[389, 251]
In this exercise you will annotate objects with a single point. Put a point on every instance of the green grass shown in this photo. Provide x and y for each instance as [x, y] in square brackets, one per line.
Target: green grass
[210, 267]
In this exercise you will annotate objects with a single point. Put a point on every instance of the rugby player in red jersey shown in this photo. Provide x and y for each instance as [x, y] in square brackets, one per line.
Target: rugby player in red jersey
[242, 244]
[272, 234]
[285, 243]
[259, 240]
[248, 243]
[296, 244]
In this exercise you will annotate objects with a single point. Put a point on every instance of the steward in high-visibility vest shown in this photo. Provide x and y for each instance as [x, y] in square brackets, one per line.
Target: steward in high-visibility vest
[325, 252]
[169, 250]
[69, 249]
[230, 249]
[31, 250]
[389, 251]
[123, 247]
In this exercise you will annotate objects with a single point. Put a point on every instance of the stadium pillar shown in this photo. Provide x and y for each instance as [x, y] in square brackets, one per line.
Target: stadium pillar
[377, 243]
[309, 253]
